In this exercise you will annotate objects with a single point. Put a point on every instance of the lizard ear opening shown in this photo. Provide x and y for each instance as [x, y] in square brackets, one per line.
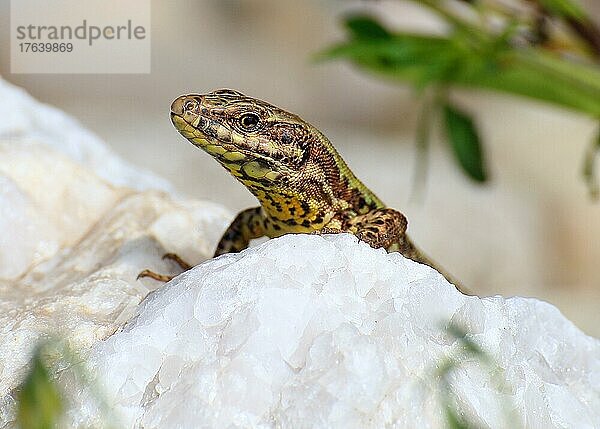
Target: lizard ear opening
[286, 138]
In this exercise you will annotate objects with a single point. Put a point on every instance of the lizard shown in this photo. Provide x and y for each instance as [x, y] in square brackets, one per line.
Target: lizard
[300, 180]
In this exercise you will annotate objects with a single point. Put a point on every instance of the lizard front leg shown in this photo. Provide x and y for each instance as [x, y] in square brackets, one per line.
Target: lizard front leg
[384, 228]
[247, 225]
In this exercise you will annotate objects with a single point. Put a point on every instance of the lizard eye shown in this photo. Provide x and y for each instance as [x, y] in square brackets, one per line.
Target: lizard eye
[249, 121]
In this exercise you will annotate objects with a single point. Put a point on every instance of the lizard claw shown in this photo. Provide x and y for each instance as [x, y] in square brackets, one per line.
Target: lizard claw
[160, 277]
[326, 231]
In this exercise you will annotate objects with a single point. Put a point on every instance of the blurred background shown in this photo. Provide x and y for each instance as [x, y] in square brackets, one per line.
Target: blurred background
[531, 230]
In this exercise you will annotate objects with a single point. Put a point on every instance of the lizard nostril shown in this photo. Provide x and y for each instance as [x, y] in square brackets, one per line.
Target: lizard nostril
[190, 105]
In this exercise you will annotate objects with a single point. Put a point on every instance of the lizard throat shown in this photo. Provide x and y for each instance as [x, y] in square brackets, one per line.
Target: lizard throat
[249, 167]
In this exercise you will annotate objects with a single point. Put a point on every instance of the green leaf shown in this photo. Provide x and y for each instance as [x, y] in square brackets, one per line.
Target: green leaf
[546, 78]
[366, 27]
[465, 142]
[423, 60]
[420, 59]
[480, 62]
[39, 402]
[564, 9]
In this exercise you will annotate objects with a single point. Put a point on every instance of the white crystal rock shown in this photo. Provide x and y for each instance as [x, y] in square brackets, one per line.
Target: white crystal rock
[72, 241]
[311, 331]
[72, 246]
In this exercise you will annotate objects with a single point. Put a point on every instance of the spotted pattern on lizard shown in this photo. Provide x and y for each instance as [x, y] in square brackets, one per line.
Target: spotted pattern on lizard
[301, 182]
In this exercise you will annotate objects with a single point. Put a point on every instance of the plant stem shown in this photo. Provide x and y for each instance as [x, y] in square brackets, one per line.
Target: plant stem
[431, 105]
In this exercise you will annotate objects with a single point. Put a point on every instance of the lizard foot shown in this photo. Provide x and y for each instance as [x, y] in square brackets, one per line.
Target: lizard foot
[160, 277]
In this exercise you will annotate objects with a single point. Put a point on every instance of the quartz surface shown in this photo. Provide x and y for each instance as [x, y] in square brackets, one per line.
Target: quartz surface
[311, 331]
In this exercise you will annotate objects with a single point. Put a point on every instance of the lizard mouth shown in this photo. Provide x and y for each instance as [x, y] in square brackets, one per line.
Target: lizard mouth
[187, 118]
[202, 133]
[189, 129]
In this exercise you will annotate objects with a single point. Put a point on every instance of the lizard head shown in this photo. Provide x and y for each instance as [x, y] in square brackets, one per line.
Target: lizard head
[248, 136]
[280, 158]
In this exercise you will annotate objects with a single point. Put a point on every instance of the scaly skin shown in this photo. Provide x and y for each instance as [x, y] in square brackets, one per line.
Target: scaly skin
[302, 183]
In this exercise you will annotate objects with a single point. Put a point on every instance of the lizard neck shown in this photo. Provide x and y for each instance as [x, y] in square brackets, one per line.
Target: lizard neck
[340, 187]
[322, 188]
